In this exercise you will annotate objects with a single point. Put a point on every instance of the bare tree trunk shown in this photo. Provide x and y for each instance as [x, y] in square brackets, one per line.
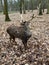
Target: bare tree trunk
[47, 6]
[22, 6]
[31, 4]
[1, 6]
[6, 11]
[28, 6]
[40, 9]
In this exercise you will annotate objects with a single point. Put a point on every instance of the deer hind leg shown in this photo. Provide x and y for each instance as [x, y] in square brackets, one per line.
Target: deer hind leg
[25, 45]
[13, 39]
[10, 41]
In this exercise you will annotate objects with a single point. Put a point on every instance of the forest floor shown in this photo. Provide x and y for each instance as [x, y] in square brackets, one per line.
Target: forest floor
[38, 45]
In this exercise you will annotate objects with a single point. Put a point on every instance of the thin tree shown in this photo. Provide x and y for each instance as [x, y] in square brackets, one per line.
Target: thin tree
[11, 5]
[6, 11]
[22, 6]
[31, 1]
[47, 6]
[40, 7]
[28, 6]
[1, 6]
[43, 5]
[20, 2]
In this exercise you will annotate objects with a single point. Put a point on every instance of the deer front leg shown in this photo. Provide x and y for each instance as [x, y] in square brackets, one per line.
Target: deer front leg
[10, 39]
[25, 44]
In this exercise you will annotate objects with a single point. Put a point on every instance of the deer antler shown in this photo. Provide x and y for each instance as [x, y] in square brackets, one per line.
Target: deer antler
[31, 18]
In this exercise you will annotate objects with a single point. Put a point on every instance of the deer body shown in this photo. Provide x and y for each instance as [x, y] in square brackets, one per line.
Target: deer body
[22, 32]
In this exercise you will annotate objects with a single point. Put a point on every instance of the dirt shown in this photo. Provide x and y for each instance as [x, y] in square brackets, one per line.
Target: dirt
[38, 45]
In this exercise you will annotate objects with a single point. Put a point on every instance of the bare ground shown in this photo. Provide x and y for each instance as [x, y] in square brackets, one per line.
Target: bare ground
[38, 45]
